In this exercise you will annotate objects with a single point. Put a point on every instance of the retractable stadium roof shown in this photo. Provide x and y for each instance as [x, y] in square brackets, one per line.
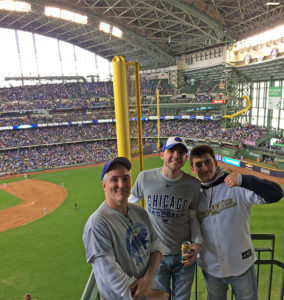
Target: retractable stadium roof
[155, 32]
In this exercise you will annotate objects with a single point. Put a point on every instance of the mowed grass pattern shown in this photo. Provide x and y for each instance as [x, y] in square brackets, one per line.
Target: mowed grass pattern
[46, 258]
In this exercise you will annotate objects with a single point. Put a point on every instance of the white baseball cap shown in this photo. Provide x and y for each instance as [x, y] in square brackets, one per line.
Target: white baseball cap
[173, 141]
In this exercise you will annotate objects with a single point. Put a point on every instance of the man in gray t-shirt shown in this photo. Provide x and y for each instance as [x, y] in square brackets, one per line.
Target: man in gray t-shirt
[120, 241]
[171, 198]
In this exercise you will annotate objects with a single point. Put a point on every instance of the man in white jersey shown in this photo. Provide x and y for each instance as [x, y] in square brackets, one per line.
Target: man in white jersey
[120, 241]
[227, 256]
[171, 198]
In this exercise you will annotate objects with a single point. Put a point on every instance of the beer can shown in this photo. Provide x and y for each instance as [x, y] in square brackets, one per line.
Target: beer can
[185, 247]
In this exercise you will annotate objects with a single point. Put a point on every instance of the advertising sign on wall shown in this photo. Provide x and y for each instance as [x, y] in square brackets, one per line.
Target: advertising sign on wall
[274, 97]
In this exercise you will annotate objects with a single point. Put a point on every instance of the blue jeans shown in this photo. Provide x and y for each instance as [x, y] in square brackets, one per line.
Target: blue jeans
[244, 286]
[172, 273]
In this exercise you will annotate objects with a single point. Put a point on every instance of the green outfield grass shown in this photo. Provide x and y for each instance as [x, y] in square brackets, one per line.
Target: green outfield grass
[46, 258]
[8, 200]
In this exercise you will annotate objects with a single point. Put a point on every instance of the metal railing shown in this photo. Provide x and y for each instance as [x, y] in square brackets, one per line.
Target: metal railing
[91, 291]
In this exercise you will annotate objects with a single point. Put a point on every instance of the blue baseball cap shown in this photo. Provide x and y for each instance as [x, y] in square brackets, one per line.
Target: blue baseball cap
[173, 141]
[118, 160]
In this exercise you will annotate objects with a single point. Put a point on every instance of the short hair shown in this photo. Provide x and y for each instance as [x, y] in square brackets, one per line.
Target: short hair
[104, 178]
[200, 151]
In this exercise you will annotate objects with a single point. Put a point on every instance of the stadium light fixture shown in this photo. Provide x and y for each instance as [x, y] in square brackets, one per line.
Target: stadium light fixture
[64, 14]
[270, 3]
[105, 27]
[116, 32]
[12, 5]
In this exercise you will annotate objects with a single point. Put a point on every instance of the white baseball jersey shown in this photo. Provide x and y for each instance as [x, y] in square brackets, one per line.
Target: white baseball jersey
[224, 215]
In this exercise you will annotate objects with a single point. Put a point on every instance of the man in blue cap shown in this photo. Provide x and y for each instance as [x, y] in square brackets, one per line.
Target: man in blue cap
[171, 197]
[120, 241]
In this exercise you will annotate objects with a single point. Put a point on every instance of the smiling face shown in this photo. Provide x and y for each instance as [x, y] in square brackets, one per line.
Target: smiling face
[117, 184]
[204, 167]
[174, 159]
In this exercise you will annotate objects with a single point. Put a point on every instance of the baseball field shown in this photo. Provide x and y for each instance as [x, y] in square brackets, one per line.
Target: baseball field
[46, 257]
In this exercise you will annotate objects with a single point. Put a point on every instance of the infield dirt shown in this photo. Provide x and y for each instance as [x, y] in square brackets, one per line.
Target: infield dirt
[38, 199]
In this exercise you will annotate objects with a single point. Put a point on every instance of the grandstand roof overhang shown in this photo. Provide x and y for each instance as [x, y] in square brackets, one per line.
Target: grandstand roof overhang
[270, 70]
[155, 32]
[265, 71]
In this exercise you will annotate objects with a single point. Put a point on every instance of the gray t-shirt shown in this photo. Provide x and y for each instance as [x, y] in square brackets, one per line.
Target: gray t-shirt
[171, 205]
[122, 244]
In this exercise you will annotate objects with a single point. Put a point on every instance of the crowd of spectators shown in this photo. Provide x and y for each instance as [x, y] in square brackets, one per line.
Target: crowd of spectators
[78, 90]
[190, 129]
[51, 147]
[57, 117]
[149, 87]
[55, 104]
[271, 149]
[51, 103]
[54, 146]
[25, 160]
[197, 98]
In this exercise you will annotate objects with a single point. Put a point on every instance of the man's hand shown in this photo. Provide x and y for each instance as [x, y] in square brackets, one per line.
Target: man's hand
[190, 258]
[140, 288]
[151, 294]
[232, 179]
[158, 295]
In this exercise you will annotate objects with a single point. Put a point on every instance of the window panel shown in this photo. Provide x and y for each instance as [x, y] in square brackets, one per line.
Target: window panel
[48, 56]
[27, 54]
[10, 66]
[67, 59]
[86, 63]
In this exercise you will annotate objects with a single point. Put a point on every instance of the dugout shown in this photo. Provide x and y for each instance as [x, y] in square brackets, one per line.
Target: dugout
[226, 151]
[279, 163]
[250, 154]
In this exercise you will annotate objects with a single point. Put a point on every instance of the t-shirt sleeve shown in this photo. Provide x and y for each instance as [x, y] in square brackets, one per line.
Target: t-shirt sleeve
[133, 199]
[96, 240]
[108, 273]
[137, 190]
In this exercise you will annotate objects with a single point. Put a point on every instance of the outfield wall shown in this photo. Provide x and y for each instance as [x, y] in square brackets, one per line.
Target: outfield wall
[250, 166]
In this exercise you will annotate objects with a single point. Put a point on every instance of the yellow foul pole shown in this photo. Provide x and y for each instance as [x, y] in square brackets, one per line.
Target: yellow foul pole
[158, 119]
[139, 115]
[121, 106]
[139, 121]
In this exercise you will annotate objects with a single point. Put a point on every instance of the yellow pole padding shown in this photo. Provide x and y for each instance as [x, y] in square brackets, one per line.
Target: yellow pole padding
[139, 115]
[241, 111]
[121, 106]
[139, 121]
[158, 119]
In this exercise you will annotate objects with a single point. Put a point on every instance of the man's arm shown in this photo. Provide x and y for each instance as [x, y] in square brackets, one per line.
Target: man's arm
[108, 271]
[142, 286]
[195, 231]
[266, 189]
[133, 199]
